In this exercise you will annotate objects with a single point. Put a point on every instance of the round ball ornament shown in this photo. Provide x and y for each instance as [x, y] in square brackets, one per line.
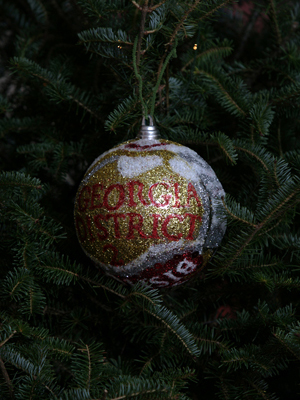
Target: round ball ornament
[146, 211]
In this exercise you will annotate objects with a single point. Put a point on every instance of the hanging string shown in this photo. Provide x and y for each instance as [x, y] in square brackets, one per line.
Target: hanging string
[170, 55]
[139, 78]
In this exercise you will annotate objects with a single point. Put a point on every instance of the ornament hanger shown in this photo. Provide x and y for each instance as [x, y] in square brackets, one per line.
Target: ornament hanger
[150, 131]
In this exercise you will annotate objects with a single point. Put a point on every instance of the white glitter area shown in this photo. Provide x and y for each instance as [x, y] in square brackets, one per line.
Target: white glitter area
[182, 168]
[171, 276]
[163, 249]
[156, 280]
[133, 166]
[185, 267]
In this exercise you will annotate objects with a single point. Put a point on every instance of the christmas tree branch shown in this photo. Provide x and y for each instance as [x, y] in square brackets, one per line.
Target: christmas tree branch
[7, 379]
[253, 155]
[181, 22]
[223, 90]
[214, 50]
[236, 217]
[157, 5]
[148, 362]
[244, 245]
[279, 138]
[260, 391]
[19, 364]
[97, 284]
[215, 342]
[244, 267]
[174, 34]
[275, 21]
[261, 225]
[143, 392]
[87, 351]
[59, 87]
[276, 210]
[142, 295]
[224, 388]
[19, 179]
[137, 5]
[215, 9]
[178, 330]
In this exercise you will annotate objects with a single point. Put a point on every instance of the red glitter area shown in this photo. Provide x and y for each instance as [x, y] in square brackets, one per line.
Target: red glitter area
[174, 272]
[147, 147]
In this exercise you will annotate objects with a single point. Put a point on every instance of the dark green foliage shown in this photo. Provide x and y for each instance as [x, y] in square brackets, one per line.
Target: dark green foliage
[223, 78]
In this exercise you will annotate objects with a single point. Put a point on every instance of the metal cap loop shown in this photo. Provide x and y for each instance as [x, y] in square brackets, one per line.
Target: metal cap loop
[150, 131]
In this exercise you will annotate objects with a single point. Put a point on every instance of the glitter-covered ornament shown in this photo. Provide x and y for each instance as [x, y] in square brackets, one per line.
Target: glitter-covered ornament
[145, 211]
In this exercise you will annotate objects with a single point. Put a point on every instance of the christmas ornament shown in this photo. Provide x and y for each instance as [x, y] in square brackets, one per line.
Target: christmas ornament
[145, 211]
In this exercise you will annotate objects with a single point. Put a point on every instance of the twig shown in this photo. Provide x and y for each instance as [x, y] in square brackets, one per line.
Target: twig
[141, 34]
[7, 339]
[178, 27]
[164, 66]
[157, 5]
[215, 9]
[137, 5]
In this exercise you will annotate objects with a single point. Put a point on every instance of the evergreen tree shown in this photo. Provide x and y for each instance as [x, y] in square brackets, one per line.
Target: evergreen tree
[220, 77]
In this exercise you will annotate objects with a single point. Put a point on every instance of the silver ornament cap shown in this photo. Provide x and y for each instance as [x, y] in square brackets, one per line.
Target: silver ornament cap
[150, 131]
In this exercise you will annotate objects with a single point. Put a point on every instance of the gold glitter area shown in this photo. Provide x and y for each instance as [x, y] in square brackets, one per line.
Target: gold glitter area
[118, 218]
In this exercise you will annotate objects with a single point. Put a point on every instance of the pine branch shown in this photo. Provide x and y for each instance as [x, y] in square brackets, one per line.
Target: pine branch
[56, 86]
[5, 106]
[19, 125]
[28, 367]
[7, 339]
[154, 7]
[235, 217]
[17, 179]
[104, 35]
[172, 323]
[261, 391]
[208, 344]
[39, 11]
[219, 51]
[142, 392]
[232, 104]
[174, 34]
[157, 354]
[209, 13]
[100, 9]
[7, 379]
[122, 115]
[273, 14]
[253, 154]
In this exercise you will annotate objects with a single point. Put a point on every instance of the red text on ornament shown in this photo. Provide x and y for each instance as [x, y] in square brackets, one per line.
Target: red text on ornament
[134, 223]
[113, 197]
[114, 261]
